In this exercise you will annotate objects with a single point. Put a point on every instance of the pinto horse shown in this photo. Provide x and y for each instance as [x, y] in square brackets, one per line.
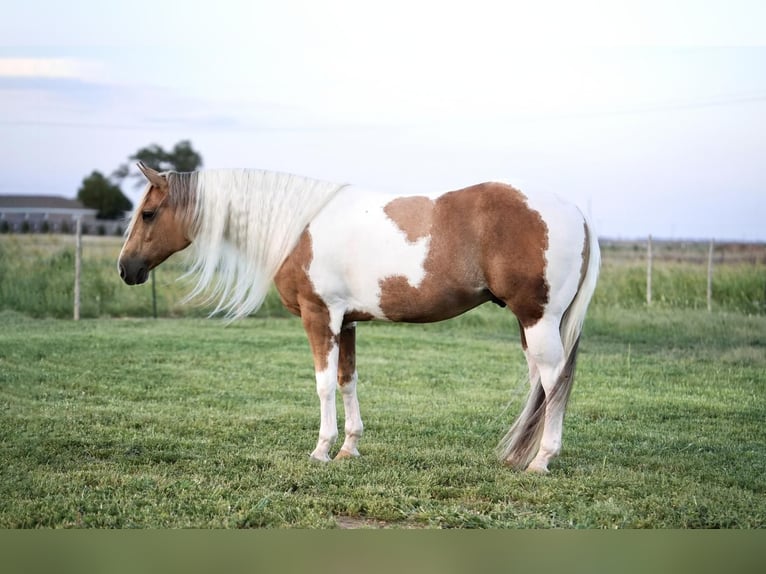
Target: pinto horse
[338, 254]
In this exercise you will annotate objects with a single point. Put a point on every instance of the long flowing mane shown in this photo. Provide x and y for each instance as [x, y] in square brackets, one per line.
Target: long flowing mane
[244, 224]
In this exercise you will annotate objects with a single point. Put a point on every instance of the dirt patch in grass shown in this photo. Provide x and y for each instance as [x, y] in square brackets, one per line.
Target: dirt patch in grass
[355, 522]
[361, 523]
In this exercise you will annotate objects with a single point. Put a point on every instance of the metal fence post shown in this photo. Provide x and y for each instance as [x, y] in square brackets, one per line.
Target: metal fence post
[154, 296]
[710, 278]
[77, 268]
[649, 271]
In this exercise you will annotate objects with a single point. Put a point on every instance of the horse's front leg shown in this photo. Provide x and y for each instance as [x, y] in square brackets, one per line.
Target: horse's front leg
[324, 346]
[347, 379]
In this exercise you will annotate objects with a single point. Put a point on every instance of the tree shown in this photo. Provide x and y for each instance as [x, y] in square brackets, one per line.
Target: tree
[97, 192]
[183, 157]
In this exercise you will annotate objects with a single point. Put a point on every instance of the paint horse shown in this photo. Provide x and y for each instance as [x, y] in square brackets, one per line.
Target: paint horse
[338, 254]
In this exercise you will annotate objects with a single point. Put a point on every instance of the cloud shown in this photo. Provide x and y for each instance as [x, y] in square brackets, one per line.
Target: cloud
[53, 68]
[49, 93]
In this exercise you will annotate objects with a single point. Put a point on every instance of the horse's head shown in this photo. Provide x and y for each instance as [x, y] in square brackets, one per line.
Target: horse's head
[155, 232]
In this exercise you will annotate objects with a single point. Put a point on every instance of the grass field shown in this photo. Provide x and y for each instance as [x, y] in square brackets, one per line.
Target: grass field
[188, 422]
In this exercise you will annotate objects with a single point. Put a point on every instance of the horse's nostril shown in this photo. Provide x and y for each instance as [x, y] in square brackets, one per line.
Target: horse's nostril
[133, 271]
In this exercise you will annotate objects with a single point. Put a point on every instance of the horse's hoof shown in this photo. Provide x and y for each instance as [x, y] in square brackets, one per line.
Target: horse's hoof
[513, 464]
[345, 454]
[319, 459]
[542, 470]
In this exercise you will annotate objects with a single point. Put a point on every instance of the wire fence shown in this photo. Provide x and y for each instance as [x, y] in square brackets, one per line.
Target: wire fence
[39, 277]
[699, 274]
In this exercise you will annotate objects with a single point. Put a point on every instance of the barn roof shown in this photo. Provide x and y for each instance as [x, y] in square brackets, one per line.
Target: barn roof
[42, 204]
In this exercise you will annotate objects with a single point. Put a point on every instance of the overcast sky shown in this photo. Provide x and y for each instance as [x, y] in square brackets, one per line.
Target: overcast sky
[650, 115]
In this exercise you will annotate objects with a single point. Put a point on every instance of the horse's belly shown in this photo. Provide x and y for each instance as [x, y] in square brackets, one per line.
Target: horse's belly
[364, 294]
[428, 303]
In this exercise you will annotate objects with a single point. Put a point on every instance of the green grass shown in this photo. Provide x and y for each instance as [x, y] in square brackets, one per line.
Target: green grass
[37, 279]
[192, 423]
[124, 421]
[736, 287]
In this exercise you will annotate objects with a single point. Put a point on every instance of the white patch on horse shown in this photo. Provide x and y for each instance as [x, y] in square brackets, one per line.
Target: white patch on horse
[351, 227]
[328, 423]
[563, 257]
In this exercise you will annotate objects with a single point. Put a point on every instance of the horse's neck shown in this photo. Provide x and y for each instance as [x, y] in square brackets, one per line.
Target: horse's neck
[249, 221]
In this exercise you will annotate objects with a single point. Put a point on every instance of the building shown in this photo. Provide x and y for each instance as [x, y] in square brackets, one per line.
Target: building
[51, 214]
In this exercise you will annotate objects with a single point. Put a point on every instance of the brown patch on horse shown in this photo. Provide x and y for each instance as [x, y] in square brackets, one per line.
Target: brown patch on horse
[486, 244]
[413, 215]
[298, 296]
[347, 354]
[292, 277]
[316, 323]
[353, 316]
[523, 337]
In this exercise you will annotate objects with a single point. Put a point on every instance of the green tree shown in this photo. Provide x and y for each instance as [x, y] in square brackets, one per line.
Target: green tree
[98, 192]
[183, 157]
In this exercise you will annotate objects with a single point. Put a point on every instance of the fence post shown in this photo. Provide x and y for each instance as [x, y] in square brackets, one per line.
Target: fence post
[77, 267]
[710, 278]
[649, 271]
[154, 297]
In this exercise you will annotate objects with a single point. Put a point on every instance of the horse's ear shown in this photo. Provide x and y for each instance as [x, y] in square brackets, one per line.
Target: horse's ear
[152, 175]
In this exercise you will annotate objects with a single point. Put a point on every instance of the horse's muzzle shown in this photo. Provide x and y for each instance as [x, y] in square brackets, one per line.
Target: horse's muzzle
[133, 271]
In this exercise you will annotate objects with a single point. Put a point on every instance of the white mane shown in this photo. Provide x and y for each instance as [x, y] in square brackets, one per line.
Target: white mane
[246, 223]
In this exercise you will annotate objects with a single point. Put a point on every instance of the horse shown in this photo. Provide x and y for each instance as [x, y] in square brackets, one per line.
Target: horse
[338, 254]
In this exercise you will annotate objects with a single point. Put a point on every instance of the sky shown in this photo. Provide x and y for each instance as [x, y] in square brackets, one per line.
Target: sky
[649, 115]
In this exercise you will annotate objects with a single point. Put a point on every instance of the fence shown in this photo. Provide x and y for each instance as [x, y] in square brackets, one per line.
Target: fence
[78, 273]
[688, 273]
[650, 266]
[37, 278]
[60, 224]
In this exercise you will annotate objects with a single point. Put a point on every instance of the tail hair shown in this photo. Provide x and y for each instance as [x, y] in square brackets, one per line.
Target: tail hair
[520, 444]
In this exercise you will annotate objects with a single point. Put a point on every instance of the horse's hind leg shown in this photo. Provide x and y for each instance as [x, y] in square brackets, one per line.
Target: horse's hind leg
[534, 372]
[347, 379]
[546, 350]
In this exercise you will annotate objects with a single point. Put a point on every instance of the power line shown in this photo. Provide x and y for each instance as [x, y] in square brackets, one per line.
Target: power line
[649, 107]
[83, 125]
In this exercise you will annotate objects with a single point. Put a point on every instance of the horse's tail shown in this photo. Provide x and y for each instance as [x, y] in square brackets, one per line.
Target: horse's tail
[519, 446]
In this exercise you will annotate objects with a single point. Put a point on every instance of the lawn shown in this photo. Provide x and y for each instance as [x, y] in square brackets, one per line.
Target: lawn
[195, 423]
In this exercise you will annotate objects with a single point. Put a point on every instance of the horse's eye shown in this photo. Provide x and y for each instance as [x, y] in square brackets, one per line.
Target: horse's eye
[148, 215]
